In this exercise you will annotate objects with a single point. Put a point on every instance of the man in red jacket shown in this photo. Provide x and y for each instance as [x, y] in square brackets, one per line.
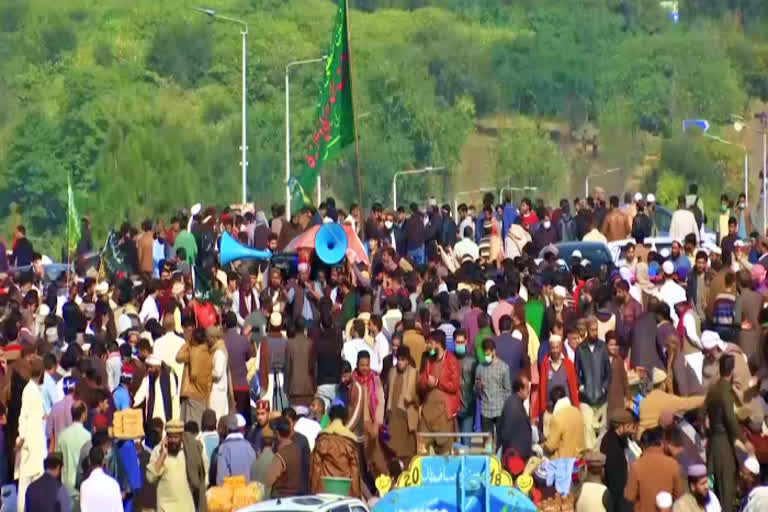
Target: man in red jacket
[555, 370]
[439, 386]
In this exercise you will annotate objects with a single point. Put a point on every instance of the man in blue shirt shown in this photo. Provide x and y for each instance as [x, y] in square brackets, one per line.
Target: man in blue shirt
[49, 389]
[121, 394]
[508, 214]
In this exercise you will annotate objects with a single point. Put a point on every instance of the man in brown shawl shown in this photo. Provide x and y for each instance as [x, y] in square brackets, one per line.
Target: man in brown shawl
[402, 414]
[335, 454]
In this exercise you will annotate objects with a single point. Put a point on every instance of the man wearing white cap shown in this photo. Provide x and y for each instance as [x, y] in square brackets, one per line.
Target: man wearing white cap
[714, 348]
[750, 478]
[671, 292]
[158, 392]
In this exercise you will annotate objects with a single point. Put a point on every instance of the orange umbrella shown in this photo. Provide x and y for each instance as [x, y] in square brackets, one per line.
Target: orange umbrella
[306, 240]
[355, 245]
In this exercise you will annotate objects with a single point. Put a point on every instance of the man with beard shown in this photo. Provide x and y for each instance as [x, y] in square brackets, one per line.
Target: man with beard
[274, 291]
[176, 465]
[680, 261]
[630, 310]
[725, 434]
[158, 391]
[699, 497]
[260, 428]
[244, 301]
[402, 415]
[614, 446]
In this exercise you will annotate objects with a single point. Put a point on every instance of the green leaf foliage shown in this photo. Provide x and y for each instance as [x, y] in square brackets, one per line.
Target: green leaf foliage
[140, 101]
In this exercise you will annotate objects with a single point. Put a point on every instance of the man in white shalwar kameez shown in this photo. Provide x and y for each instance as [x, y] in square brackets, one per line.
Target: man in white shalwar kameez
[30, 444]
[219, 400]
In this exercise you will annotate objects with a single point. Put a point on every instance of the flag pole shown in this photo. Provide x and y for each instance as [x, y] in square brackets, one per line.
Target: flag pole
[66, 244]
[358, 181]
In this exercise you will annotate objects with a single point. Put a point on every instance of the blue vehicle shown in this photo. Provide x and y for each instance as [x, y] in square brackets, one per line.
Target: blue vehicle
[463, 483]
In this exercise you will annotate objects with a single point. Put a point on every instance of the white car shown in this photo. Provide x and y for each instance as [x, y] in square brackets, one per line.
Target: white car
[314, 503]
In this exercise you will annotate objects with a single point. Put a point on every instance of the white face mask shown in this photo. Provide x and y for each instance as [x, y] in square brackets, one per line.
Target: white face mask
[388, 224]
[547, 224]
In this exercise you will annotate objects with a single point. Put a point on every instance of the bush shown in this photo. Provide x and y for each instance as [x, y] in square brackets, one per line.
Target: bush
[57, 39]
[12, 15]
[181, 52]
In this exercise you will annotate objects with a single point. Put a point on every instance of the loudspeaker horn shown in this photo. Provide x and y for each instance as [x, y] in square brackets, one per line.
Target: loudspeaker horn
[331, 243]
[231, 250]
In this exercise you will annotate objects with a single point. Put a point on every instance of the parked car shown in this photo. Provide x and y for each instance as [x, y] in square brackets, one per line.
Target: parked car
[597, 253]
[314, 503]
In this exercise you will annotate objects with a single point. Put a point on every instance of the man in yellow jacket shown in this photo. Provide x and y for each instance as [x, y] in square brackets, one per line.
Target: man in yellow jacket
[566, 428]
[658, 401]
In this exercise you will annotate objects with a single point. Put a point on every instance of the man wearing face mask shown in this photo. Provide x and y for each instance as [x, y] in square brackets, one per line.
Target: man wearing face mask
[402, 414]
[467, 395]
[744, 217]
[439, 384]
[544, 235]
[494, 386]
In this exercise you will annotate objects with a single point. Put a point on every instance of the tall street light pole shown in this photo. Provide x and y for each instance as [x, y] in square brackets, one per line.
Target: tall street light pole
[288, 134]
[739, 126]
[243, 146]
[412, 171]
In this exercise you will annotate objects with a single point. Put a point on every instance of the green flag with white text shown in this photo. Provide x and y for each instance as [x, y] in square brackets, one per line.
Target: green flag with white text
[334, 119]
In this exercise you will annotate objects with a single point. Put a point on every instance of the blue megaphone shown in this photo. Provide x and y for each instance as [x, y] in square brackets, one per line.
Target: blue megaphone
[231, 250]
[331, 243]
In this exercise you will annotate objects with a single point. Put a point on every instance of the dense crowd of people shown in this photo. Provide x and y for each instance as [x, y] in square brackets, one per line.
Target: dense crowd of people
[648, 377]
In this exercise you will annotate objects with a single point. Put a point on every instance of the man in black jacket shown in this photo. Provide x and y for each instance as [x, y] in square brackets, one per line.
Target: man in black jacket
[614, 447]
[515, 425]
[448, 235]
[22, 249]
[415, 236]
[593, 372]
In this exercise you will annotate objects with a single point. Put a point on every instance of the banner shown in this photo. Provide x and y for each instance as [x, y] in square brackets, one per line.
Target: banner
[73, 220]
[334, 125]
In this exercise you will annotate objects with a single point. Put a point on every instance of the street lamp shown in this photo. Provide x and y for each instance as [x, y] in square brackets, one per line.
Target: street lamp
[244, 33]
[288, 134]
[705, 126]
[739, 126]
[586, 180]
[412, 171]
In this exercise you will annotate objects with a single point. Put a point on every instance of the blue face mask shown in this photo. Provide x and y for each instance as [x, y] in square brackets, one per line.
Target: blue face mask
[461, 349]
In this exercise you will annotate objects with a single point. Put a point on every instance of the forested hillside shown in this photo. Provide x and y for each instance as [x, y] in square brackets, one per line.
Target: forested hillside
[139, 100]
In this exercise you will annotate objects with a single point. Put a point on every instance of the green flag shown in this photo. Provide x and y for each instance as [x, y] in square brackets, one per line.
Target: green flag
[73, 220]
[334, 119]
